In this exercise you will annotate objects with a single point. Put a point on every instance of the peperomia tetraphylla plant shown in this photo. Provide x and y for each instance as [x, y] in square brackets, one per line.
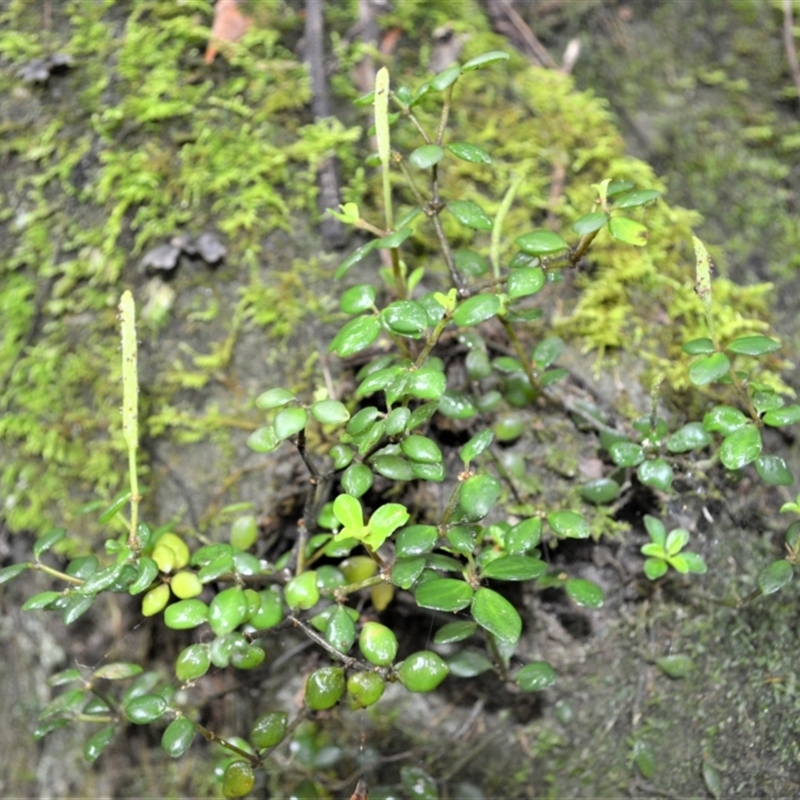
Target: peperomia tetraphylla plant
[425, 356]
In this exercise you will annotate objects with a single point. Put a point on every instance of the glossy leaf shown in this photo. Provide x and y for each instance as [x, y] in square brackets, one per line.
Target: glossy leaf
[269, 729]
[775, 576]
[11, 572]
[471, 264]
[426, 156]
[524, 536]
[584, 593]
[421, 448]
[405, 571]
[535, 676]
[356, 335]
[186, 614]
[724, 420]
[263, 440]
[656, 473]
[774, 470]
[415, 540]
[357, 255]
[782, 416]
[177, 737]
[193, 662]
[589, 223]
[753, 345]
[476, 309]
[445, 78]
[636, 198]
[406, 318]
[468, 663]
[146, 708]
[290, 421]
[478, 495]
[357, 479]
[541, 243]
[515, 568]
[455, 632]
[494, 613]
[626, 454]
[45, 542]
[444, 594]
[470, 214]
[600, 490]
[393, 467]
[426, 384]
[340, 632]
[330, 412]
[422, 671]
[675, 666]
[469, 152]
[628, 231]
[709, 368]
[274, 398]
[547, 351]
[41, 600]
[117, 671]
[691, 436]
[98, 742]
[394, 239]
[357, 299]
[526, 281]
[699, 347]
[741, 448]
[568, 524]
[76, 607]
[348, 511]
[477, 445]
[655, 568]
[483, 60]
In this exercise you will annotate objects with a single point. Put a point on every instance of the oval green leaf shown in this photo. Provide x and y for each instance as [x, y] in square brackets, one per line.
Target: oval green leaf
[483, 60]
[290, 421]
[584, 593]
[515, 568]
[478, 495]
[426, 156]
[589, 223]
[690, 437]
[470, 214]
[330, 412]
[782, 416]
[494, 613]
[628, 231]
[444, 594]
[541, 243]
[357, 299]
[774, 470]
[709, 368]
[146, 709]
[753, 345]
[526, 281]
[177, 737]
[568, 525]
[469, 152]
[741, 448]
[535, 676]
[656, 473]
[356, 335]
[775, 576]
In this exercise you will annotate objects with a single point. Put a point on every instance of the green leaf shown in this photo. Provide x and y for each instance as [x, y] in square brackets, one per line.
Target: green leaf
[535, 676]
[374, 382]
[654, 568]
[656, 473]
[699, 347]
[690, 437]
[589, 223]
[340, 632]
[600, 491]
[357, 299]
[356, 335]
[274, 398]
[348, 511]
[709, 368]
[444, 594]
[45, 542]
[455, 632]
[472, 264]
[357, 479]
[186, 614]
[515, 568]
[426, 384]
[97, 743]
[405, 571]
[676, 541]
[782, 416]
[146, 708]
[541, 243]
[626, 454]
[330, 412]
[636, 198]
[263, 440]
[468, 663]
[628, 231]
[741, 447]
[524, 536]
[357, 255]
[65, 676]
[753, 345]
[655, 527]
[117, 671]
[616, 187]
[494, 613]
[568, 525]
[75, 607]
[416, 540]
[11, 572]
[117, 504]
[177, 737]
[406, 318]
[470, 214]
[456, 405]
[426, 156]
[584, 593]
[483, 60]
[477, 445]
[775, 576]
[445, 78]
[421, 448]
[102, 579]
[695, 563]
[393, 467]
[384, 522]
[41, 600]
[418, 784]
[724, 420]
[478, 495]
[526, 281]
[469, 152]
[645, 758]
[676, 666]
[397, 420]
[290, 421]
[774, 470]
[547, 351]
[193, 662]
